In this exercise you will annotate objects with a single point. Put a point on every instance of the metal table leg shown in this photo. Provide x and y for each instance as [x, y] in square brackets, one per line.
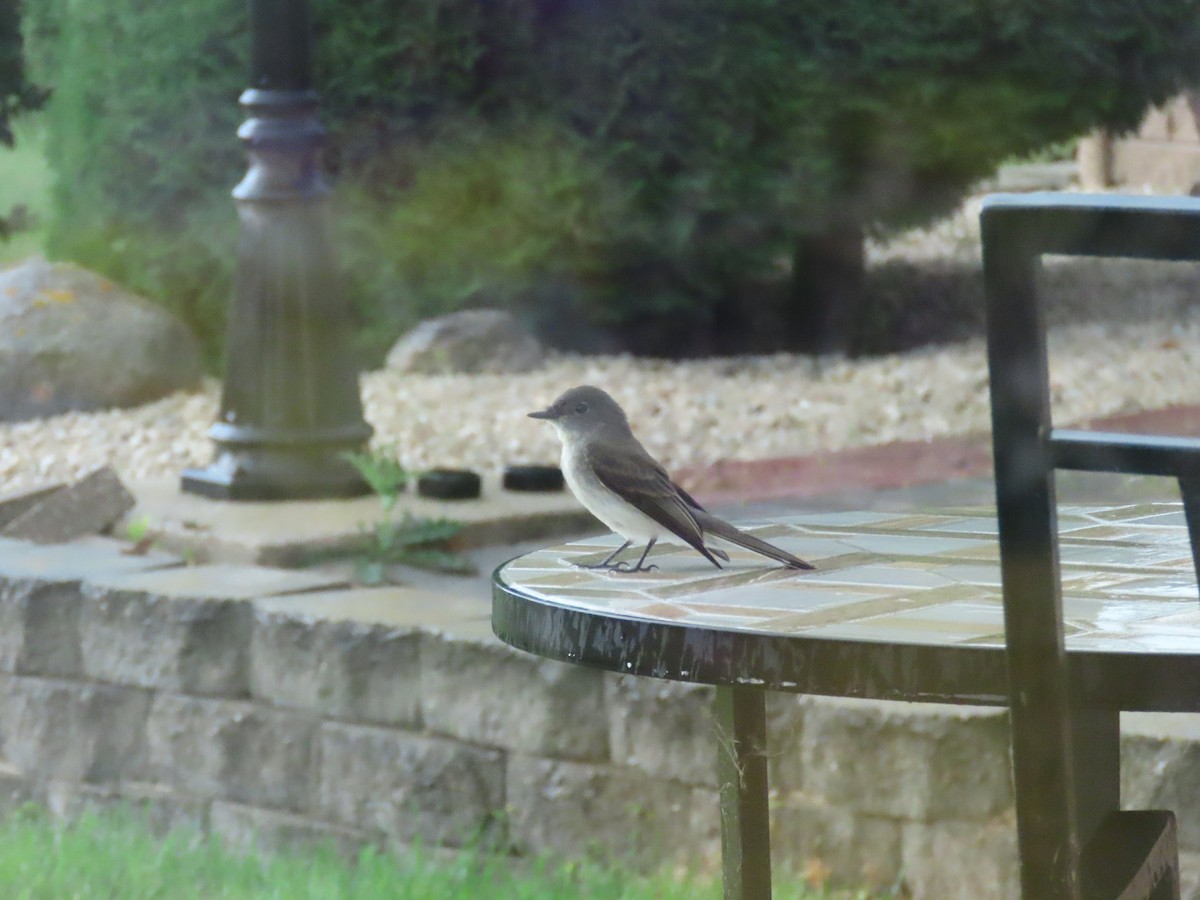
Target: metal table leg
[741, 718]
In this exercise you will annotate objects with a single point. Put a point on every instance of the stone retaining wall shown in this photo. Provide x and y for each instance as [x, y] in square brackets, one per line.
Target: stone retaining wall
[275, 708]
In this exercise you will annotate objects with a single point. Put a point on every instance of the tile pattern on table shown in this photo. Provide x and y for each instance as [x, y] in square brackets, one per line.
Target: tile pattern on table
[919, 578]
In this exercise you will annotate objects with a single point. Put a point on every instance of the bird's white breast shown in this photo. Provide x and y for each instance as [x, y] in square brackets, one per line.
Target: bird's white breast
[619, 515]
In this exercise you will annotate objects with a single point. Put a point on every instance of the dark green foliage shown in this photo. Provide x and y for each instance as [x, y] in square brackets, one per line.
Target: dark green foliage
[590, 163]
[17, 93]
[141, 140]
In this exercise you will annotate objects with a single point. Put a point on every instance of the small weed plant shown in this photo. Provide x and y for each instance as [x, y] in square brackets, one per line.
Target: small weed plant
[410, 540]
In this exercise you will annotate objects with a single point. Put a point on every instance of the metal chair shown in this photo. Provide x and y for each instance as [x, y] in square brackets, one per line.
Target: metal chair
[1074, 840]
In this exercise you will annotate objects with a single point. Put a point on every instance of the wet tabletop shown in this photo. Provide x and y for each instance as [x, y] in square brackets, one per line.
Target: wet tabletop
[916, 579]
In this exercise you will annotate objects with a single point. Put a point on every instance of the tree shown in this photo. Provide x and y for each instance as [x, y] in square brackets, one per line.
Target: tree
[17, 95]
[614, 165]
[761, 128]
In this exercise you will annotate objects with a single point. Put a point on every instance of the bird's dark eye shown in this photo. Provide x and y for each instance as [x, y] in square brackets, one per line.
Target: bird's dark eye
[581, 408]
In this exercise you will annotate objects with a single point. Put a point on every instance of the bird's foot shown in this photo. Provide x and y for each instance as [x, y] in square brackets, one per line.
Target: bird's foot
[620, 565]
[627, 569]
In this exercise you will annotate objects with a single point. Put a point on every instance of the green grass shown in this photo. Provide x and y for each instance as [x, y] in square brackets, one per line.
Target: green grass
[25, 178]
[115, 858]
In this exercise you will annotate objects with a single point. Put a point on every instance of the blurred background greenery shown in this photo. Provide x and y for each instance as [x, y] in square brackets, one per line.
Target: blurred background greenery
[684, 177]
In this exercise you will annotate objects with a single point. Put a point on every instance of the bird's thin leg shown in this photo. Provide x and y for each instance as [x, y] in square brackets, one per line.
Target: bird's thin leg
[608, 561]
[643, 568]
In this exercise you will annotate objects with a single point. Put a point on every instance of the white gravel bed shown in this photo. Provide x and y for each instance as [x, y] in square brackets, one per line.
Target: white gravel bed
[687, 413]
[1144, 355]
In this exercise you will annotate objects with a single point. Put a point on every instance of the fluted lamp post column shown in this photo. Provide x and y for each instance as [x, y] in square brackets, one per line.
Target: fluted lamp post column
[290, 406]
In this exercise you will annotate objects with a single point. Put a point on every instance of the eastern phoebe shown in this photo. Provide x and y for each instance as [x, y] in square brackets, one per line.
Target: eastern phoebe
[610, 473]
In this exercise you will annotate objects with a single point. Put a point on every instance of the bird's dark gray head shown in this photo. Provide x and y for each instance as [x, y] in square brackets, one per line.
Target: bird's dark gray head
[585, 410]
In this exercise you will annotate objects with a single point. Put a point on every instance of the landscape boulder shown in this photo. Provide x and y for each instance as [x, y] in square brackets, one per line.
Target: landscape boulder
[71, 340]
[471, 341]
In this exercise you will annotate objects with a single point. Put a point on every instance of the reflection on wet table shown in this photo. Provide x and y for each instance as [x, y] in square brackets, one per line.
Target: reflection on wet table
[907, 578]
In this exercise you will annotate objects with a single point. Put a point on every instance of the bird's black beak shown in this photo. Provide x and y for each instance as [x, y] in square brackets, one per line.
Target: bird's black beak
[544, 414]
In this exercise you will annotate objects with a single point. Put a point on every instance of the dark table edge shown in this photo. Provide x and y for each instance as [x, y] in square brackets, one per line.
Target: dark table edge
[974, 675]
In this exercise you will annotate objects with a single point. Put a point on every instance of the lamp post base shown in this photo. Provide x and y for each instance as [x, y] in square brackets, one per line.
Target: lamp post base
[271, 475]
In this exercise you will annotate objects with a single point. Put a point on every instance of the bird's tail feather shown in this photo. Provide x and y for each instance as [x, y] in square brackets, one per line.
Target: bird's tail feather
[715, 527]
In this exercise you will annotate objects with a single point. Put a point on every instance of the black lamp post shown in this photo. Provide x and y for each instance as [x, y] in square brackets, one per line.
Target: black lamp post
[290, 405]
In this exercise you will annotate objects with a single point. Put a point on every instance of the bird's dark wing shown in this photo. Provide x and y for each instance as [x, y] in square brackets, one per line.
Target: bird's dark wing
[715, 527]
[642, 482]
[688, 498]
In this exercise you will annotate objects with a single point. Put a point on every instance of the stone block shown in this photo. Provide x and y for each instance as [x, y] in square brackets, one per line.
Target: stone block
[849, 850]
[89, 506]
[229, 749]
[664, 728]
[191, 645]
[14, 503]
[39, 627]
[218, 581]
[1160, 769]
[785, 730]
[609, 812]
[1189, 875]
[88, 559]
[17, 790]
[667, 729]
[961, 859]
[252, 829]
[925, 761]
[338, 669]
[486, 692]
[69, 731]
[407, 785]
[158, 808]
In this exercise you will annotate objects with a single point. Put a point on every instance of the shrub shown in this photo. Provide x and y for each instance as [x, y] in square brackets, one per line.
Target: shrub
[485, 217]
[607, 164]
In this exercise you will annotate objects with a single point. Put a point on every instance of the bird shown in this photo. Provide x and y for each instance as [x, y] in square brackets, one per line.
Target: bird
[621, 484]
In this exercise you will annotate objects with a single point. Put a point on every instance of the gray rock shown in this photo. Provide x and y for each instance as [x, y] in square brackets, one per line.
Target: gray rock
[89, 506]
[16, 503]
[69, 340]
[474, 340]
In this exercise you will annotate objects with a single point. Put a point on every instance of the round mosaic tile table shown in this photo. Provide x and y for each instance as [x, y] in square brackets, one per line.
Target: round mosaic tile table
[902, 606]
